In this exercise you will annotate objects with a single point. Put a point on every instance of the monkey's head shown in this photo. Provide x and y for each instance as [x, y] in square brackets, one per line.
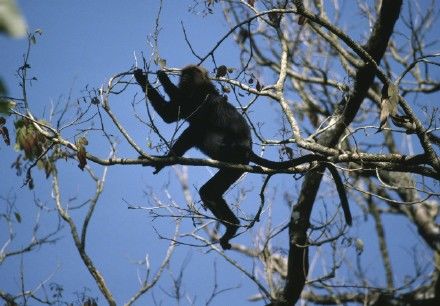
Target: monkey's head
[193, 76]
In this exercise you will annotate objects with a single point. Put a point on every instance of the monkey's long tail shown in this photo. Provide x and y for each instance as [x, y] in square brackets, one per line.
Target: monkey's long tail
[308, 158]
[341, 192]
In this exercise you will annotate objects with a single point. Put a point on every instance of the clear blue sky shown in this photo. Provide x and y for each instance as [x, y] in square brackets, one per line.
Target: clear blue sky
[85, 43]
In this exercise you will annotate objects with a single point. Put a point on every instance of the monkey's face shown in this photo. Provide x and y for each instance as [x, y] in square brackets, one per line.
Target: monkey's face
[193, 76]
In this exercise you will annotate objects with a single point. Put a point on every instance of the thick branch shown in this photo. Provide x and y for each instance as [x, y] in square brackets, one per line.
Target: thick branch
[346, 112]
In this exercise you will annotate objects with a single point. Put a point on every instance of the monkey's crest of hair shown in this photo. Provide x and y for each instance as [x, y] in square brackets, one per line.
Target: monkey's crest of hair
[195, 78]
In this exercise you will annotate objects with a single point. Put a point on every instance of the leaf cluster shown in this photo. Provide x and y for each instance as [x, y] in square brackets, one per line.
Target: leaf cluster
[29, 139]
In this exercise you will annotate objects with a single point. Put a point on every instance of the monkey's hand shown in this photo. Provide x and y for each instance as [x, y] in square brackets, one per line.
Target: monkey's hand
[162, 75]
[141, 78]
[171, 153]
[158, 169]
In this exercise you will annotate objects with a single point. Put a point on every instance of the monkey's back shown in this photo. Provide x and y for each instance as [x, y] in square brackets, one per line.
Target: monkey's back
[225, 133]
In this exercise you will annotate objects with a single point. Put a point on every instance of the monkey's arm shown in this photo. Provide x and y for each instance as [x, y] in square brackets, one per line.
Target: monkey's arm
[171, 89]
[169, 112]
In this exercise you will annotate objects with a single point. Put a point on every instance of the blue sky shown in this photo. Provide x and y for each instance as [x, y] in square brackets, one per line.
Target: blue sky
[85, 43]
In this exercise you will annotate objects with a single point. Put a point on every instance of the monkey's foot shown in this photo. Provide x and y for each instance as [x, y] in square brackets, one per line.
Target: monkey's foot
[228, 235]
[224, 243]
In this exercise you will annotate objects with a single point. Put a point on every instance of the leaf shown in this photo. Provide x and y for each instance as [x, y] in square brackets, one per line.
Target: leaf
[17, 217]
[90, 302]
[211, 2]
[46, 165]
[226, 89]
[221, 71]
[81, 154]
[243, 35]
[5, 135]
[275, 18]
[11, 20]
[2, 87]
[393, 94]
[404, 122]
[258, 86]
[29, 139]
[162, 63]
[6, 106]
[95, 101]
[82, 141]
[31, 183]
[359, 245]
[302, 20]
[388, 107]
[288, 151]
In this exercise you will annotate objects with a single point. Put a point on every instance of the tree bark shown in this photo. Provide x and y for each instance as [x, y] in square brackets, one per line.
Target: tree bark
[346, 112]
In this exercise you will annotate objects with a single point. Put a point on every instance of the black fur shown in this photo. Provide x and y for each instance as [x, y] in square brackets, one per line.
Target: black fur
[218, 130]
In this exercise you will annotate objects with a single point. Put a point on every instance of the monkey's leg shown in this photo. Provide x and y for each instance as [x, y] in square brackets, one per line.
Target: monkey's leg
[188, 139]
[211, 194]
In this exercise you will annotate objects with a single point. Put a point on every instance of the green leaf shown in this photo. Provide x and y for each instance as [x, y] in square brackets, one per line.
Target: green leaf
[359, 245]
[82, 141]
[6, 106]
[81, 154]
[226, 89]
[11, 21]
[162, 63]
[2, 88]
[29, 139]
[390, 100]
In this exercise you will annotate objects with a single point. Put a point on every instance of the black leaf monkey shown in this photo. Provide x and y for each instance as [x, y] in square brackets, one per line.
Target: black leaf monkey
[218, 130]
